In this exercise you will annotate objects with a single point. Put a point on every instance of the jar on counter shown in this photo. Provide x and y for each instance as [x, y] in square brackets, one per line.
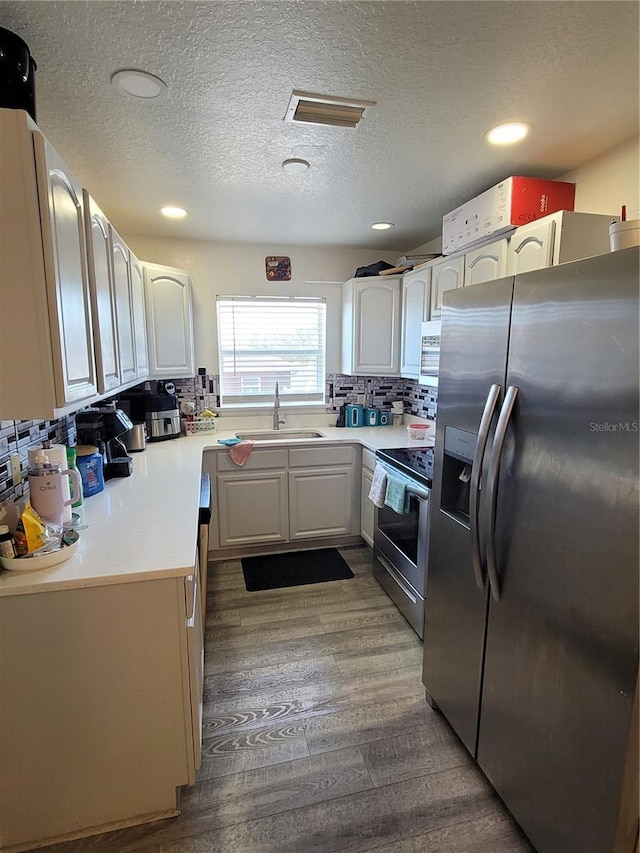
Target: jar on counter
[91, 467]
[7, 545]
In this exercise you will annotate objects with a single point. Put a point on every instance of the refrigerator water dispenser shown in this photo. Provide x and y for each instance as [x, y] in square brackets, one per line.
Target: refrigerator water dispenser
[459, 447]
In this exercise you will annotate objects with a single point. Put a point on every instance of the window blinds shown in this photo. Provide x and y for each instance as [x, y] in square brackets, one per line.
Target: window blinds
[264, 340]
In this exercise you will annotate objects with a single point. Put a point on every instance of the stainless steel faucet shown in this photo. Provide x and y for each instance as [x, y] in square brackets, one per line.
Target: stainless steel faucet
[277, 420]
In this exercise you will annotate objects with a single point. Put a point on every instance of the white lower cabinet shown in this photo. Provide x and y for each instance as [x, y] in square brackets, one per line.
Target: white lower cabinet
[367, 509]
[285, 495]
[252, 508]
[320, 503]
[97, 707]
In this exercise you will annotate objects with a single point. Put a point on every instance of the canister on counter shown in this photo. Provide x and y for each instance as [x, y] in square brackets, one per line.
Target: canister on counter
[355, 415]
[385, 417]
[90, 465]
[371, 417]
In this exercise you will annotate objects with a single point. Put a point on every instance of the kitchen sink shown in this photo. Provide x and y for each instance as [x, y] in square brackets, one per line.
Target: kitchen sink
[284, 434]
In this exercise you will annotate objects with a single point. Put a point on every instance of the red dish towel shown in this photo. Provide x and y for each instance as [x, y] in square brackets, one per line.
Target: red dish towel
[239, 453]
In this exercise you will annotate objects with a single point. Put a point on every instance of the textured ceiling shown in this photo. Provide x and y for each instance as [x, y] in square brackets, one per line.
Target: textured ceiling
[442, 73]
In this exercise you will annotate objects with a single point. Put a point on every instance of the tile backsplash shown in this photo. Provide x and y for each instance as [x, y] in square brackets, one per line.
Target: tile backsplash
[18, 437]
[420, 400]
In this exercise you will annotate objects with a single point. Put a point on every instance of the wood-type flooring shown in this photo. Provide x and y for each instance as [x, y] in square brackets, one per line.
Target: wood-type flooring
[317, 735]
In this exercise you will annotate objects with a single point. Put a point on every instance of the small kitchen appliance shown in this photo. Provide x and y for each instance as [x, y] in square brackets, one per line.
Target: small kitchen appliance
[102, 426]
[136, 438]
[157, 409]
[17, 74]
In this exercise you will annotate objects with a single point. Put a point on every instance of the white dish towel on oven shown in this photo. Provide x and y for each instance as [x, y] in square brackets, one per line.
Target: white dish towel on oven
[378, 485]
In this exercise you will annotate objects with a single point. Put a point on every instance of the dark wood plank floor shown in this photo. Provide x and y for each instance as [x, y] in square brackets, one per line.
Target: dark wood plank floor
[317, 735]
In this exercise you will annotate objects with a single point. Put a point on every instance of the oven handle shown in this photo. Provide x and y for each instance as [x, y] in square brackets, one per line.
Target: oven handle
[474, 487]
[418, 492]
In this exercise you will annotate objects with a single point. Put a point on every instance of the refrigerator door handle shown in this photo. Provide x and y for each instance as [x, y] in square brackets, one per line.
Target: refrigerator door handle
[492, 486]
[474, 486]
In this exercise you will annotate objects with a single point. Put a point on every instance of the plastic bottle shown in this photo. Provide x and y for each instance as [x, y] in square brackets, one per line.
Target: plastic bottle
[7, 545]
[76, 500]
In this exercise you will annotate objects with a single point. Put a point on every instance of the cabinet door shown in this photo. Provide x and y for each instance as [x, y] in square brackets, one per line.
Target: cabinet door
[377, 328]
[62, 222]
[415, 309]
[167, 294]
[139, 318]
[486, 263]
[531, 247]
[445, 275]
[367, 509]
[320, 502]
[121, 266]
[102, 296]
[252, 508]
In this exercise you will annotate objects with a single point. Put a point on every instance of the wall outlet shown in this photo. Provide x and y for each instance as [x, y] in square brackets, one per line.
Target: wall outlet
[360, 399]
[16, 476]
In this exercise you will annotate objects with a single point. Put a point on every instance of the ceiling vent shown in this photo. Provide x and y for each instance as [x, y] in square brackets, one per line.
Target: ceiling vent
[307, 108]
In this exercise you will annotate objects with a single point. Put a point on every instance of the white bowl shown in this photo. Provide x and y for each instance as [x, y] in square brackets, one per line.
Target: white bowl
[46, 561]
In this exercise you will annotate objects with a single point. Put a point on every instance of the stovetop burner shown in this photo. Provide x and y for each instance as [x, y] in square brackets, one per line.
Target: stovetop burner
[416, 462]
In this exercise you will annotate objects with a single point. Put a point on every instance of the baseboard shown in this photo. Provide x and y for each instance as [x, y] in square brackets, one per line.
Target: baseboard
[220, 554]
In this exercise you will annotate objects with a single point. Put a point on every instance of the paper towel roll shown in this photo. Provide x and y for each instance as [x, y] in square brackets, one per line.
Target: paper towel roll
[57, 454]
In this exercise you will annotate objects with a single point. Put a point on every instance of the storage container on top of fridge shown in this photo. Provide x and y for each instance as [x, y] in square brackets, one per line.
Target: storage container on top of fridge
[513, 202]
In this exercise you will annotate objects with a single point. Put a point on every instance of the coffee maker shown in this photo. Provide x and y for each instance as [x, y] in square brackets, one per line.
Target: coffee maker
[102, 426]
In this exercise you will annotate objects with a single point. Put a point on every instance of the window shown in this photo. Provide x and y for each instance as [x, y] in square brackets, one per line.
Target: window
[264, 340]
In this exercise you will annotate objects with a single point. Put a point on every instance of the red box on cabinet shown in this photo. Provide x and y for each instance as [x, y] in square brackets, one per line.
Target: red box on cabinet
[513, 202]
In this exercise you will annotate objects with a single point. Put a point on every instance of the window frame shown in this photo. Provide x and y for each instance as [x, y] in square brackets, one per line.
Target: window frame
[265, 399]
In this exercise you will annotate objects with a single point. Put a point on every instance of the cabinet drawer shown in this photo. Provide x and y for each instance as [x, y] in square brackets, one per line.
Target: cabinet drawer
[259, 460]
[368, 459]
[309, 457]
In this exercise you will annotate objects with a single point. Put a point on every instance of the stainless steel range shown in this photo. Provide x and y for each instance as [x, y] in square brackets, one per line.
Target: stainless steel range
[401, 540]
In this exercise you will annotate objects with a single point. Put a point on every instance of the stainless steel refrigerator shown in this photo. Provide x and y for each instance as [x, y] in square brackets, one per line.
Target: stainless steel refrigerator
[531, 604]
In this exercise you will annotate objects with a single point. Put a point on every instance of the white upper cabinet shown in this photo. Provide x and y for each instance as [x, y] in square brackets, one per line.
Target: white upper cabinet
[446, 274]
[558, 238]
[167, 294]
[47, 364]
[139, 317]
[371, 326]
[121, 267]
[415, 310]
[531, 246]
[486, 263]
[102, 296]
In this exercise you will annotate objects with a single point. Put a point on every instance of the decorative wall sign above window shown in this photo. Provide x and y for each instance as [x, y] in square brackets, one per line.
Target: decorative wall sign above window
[278, 268]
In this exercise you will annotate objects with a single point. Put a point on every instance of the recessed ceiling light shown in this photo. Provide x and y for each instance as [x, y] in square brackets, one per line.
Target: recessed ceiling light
[507, 134]
[296, 165]
[139, 84]
[382, 226]
[173, 212]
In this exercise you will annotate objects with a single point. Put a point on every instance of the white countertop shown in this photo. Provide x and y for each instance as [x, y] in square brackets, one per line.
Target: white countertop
[145, 526]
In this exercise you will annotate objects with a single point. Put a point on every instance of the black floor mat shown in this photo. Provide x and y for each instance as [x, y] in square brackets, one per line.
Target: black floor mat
[297, 568]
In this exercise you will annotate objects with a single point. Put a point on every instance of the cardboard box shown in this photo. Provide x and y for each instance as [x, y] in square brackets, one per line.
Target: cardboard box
[513, 202]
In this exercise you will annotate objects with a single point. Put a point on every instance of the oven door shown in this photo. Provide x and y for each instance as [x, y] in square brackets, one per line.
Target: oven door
[400, 544]
[403, 539]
